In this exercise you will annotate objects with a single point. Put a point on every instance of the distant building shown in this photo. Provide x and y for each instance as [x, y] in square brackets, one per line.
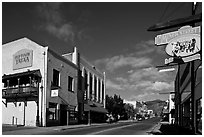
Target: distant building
[171, 108]
[130, 102]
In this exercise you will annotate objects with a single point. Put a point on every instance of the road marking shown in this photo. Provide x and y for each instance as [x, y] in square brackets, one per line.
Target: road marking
[98, 132]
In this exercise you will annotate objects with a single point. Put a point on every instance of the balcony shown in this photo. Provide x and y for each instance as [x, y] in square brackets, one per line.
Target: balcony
[22, 86]
[19, 93]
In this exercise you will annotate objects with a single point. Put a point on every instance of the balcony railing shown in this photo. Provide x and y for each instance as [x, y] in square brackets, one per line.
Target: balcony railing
[22, 91]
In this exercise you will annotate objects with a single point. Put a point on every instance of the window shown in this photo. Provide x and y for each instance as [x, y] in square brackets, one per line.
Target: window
[99, 90]
[52, 111]
[102, 91]
[85, 84]
[86, 80]
[80, 80]
[70, 84]
[55, 81]
[90, 85]
[199, 115]
[95, 88]
[72, 115]
[198, 76]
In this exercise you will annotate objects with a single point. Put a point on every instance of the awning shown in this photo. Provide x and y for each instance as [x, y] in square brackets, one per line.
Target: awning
[22, 74]
[95, 108]
[176, 23]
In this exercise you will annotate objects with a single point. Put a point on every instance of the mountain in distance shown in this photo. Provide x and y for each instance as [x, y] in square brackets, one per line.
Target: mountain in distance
[155, 105]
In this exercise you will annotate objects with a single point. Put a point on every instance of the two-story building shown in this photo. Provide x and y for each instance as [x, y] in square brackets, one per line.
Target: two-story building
[39, 86]
[42, 88]
[91, 90]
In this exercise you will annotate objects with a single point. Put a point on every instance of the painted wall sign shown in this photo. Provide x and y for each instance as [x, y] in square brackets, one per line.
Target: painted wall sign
[22, 59]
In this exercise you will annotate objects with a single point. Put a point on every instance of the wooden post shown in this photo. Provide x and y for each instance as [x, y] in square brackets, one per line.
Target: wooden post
[193, 83]
[37, 117]
[67, 117]
[89, 117]
[24, 113]
[193, 96]
[13, 120]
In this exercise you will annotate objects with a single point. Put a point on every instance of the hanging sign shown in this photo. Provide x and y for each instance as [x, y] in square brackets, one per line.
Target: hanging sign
[182, 43]
[167, 37]
[184, 46]
[54, 93]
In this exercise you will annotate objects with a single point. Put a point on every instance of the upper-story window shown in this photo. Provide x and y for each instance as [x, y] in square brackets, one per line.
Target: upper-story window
[99, 90]
[102, 91]
[95, 88]
[56, 76]
[80, 80]
[70, 83]
[85, 80]
[90, 83]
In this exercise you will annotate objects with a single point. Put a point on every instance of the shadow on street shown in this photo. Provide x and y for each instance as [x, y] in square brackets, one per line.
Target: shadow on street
[166, 129]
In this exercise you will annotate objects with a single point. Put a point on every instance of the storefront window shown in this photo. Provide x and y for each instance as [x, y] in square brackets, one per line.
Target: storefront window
[199, 115]
[199, 75]
[52, 111]
[72, 115]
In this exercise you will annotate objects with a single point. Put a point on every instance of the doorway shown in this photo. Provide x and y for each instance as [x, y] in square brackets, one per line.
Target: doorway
[63, 114]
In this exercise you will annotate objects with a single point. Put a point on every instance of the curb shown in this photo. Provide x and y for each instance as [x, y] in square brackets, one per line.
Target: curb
[155, 129]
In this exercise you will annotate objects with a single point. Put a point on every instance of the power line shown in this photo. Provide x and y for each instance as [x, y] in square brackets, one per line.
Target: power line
[173, 11]
[164, 11]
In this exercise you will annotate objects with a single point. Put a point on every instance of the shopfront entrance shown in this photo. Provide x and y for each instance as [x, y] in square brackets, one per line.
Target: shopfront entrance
[63, 115]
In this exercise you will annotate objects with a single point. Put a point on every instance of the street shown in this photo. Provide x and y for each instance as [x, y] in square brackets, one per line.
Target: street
[120, 128]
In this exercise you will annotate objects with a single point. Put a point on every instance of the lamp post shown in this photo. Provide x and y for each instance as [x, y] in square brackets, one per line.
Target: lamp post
[41, 88]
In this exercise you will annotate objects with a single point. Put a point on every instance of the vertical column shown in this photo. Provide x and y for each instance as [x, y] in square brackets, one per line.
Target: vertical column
[67, 117]
[193, 112]
[93, 85]
[101, 92]
[104, 90]
[97, 82]
[88, 85]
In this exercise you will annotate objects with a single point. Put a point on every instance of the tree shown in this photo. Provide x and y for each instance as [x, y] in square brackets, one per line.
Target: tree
[129, 109]
[115, 105]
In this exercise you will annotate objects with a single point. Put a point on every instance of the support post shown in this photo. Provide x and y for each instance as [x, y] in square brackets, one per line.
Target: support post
[67, 117]
[89, 117]
[24, 113]
[37, 117]
[193, 82]
[13, 120]
[41, 124]
[192, 97]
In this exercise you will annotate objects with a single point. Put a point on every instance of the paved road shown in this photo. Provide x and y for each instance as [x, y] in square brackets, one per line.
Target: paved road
[125, 128]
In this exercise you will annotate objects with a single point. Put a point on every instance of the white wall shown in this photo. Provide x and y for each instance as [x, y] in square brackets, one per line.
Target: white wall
[8, 50]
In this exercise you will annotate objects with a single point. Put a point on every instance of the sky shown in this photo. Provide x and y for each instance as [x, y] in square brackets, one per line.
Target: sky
[111, 35]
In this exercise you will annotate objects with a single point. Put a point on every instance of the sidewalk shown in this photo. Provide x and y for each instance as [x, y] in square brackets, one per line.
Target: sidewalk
[164, 128]
[25, 130]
